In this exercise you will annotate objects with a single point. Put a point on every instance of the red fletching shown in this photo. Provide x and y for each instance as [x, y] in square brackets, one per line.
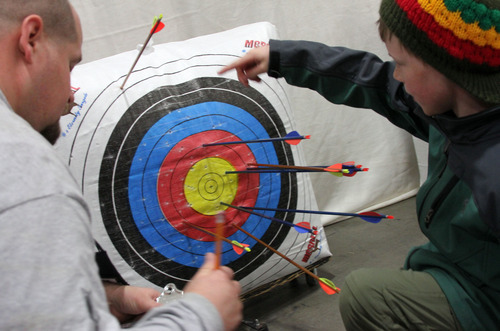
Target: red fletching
[293, 142]
[239, 250]
[302, 227]
[373, 217]
[158, 26]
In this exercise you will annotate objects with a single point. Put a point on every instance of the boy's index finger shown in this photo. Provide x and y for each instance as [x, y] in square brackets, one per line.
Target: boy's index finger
[224, 69]
[230, 66]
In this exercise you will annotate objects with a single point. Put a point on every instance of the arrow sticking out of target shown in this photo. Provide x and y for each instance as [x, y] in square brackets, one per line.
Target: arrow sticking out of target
[327, 285]
[301, 227]
[332, 168]
[220, 219]
[292, 138]
[339, 169]
[369, 216]
[157, 27]
[251, 170]
[238, 247]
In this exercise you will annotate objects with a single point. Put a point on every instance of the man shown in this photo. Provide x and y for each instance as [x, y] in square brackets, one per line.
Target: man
[444, 87]
[48, 275]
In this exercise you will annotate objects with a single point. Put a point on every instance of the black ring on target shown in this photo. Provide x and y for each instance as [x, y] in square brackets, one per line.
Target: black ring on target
[134, 225]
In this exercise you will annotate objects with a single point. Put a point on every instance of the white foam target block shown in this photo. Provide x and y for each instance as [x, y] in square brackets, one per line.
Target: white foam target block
[138, 155]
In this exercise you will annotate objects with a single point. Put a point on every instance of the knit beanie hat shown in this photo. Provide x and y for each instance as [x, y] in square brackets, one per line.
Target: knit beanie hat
[459, 38]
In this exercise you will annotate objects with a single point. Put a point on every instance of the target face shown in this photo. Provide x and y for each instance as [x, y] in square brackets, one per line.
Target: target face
[159, 176]
[138, 154]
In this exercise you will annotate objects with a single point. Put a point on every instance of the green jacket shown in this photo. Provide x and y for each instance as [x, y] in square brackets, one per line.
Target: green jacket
[458, 206]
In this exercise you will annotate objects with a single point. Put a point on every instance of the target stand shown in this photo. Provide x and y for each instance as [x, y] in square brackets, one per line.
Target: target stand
[138, 155]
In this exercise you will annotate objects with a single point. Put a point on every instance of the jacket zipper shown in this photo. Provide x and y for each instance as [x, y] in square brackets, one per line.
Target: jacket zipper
[439, 200]
[443, 194]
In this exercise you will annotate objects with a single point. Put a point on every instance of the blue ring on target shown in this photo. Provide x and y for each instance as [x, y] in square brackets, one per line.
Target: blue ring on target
[154, 148]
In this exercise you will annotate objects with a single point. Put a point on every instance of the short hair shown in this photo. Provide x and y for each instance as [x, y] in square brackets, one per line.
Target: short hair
[384, 32]
[57, 16]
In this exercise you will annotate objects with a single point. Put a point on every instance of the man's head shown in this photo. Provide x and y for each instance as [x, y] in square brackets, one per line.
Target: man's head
[458, 38]
[41, 43]
[56, 15]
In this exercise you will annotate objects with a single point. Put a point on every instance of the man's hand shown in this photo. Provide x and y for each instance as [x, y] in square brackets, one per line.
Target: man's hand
[251, 65]
[218, 286]
[129, 302]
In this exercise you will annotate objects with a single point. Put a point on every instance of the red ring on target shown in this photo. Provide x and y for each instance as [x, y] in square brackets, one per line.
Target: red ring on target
[171, 182]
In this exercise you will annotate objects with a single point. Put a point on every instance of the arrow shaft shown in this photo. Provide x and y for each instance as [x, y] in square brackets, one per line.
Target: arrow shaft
[313, 212]
[254, 141]
[307, 271]
[277, 252]
[141, 51]
[281, 166]
[265, 216]
[212, 233]
[219, 223]
[270, 171]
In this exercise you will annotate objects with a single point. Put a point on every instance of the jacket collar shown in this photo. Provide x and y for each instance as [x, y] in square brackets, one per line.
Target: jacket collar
[469, 129]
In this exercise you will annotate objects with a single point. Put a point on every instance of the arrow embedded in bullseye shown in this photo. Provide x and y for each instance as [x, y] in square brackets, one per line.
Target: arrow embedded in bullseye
[292, 138]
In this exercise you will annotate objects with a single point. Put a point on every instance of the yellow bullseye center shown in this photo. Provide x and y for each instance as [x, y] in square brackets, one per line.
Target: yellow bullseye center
[207, 185]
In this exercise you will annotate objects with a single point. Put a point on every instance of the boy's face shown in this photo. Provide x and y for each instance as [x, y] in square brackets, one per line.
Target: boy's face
[430, 89]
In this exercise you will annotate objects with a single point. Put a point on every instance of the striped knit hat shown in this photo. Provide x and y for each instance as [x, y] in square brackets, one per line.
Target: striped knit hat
[460, 38]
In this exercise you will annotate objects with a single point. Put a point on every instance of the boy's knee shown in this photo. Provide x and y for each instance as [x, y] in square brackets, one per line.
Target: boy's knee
[359, 287]
[361, 303]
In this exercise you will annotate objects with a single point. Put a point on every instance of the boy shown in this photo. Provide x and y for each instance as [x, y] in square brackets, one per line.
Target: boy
[443, 87]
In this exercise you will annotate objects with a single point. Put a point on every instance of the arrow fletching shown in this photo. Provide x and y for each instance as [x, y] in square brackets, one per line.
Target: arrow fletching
[158, 25]
[239, 247]
[302, 227]
[328, 286]
[296, 137]
[373, 217]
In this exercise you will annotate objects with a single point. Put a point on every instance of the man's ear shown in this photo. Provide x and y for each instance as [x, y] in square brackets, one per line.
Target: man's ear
[31, 33]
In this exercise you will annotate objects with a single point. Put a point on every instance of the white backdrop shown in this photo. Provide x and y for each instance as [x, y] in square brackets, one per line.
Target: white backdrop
[338, 133]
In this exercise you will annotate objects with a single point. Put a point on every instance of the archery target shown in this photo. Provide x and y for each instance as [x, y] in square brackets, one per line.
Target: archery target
[139, 156]
[172, 178]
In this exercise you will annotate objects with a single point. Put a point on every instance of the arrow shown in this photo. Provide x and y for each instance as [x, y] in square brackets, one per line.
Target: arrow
[339, 169]
[269, 171]
[333, 168]
[264, 170]
[368, 216]
[326, 284]
[238, 247]
[292, 138]
[250, 170]
[301, 227]
[219, 224]
[156, 27]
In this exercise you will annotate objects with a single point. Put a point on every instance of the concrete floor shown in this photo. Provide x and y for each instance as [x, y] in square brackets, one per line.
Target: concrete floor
[354, 243]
